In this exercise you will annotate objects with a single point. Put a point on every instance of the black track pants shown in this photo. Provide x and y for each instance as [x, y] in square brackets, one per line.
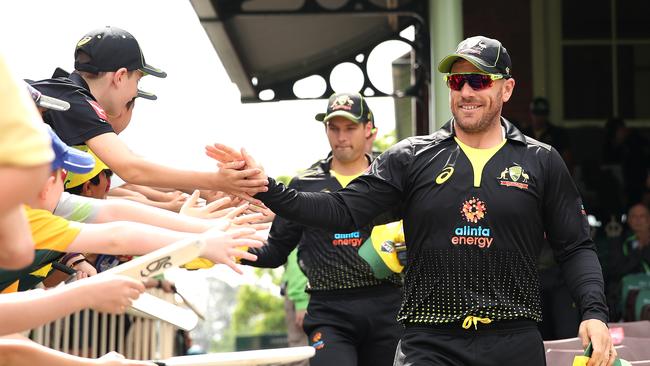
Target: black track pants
[517, 343]
[354, 329]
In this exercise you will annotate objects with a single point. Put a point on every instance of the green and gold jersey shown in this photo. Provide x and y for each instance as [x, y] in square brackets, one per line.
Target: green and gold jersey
[52, 235]
[329, 258]
[474, 222]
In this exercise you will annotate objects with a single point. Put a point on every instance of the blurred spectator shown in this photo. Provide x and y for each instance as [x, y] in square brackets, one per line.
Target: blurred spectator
[541, 129]
[629, 255]
[633, 254]
[631, 151]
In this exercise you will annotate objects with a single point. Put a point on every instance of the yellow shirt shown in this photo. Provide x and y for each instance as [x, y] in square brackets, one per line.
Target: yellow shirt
[344, 180]
[23, 138]
[52, 235]
[479, 157]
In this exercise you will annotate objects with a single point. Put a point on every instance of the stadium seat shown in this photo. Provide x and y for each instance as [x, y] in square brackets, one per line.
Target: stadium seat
[568, 343]
[639, 329]
[639, 346]
[630, 287]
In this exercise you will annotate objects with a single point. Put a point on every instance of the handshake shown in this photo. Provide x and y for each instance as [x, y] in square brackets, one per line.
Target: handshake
[239, 174]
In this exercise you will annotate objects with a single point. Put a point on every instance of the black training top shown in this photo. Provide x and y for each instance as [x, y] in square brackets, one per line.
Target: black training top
[84, 120]
[472, 250]
[329, 260]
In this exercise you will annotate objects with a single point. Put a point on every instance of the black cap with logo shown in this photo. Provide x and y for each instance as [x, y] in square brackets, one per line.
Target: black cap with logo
[349, 105]
[487, 54]
[111, 48]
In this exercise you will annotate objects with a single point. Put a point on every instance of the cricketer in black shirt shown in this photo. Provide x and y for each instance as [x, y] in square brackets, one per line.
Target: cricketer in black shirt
[472, 249]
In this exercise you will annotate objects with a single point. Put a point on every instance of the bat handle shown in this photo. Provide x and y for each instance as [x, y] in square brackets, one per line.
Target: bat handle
[159, 363]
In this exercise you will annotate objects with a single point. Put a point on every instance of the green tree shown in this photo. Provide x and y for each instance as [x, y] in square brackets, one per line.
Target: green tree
[382, 143]
[258, 311]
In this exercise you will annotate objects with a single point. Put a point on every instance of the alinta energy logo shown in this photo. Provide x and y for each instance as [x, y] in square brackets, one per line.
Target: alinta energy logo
[352, 239]
[473, 211]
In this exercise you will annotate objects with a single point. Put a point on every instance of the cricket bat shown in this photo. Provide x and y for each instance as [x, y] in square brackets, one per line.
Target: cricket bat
[156, 262]
[276, 356]
[153, 307]
[152, 264]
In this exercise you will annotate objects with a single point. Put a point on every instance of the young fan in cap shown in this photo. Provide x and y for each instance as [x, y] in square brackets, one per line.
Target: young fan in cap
[24, 311]
[94, 184]
[351, 315]
[108, 66]
[54, 235]
[478, 199]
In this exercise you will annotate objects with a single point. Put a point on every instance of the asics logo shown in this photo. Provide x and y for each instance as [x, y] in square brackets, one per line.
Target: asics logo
[445, 174]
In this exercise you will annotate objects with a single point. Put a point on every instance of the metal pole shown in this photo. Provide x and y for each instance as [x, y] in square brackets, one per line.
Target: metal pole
[446, 31]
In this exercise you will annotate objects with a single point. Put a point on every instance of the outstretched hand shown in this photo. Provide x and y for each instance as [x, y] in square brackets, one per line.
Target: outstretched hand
[213, 210]
[224, 247]
[240, 181]
[250, 177]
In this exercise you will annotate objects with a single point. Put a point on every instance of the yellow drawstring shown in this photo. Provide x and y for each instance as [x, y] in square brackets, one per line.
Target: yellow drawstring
[469, 320]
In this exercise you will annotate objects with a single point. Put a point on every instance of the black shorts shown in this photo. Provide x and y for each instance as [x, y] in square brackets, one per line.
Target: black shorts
[355, 328]
[495, 344]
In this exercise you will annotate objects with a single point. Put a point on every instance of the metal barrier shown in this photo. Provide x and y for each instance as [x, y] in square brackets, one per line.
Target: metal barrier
[91, 334]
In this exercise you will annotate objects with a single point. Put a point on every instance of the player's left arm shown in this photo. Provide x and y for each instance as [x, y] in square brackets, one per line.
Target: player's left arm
[567, 229]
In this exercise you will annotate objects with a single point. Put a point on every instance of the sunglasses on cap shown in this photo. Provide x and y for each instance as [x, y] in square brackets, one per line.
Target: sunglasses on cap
[476, 81]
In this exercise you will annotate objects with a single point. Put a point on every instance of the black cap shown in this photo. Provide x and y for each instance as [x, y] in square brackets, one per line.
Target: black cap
[349, 105]
[539, 106]
[487, 54]
[111, 48]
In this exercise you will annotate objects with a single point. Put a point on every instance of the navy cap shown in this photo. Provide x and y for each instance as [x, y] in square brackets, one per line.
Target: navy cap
[487, 54]
[69, 158]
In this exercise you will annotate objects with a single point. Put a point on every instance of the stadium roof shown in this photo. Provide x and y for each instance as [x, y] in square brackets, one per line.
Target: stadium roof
[271, 44]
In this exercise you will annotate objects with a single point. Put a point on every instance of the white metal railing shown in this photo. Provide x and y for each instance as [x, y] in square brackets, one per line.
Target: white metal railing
[92, 334]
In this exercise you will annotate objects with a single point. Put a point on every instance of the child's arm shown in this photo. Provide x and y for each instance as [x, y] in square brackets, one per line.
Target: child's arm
[125, 210]
[21, 311]
[132, 238]
[15, 352]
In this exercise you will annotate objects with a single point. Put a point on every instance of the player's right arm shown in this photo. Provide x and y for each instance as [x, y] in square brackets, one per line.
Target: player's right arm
[282, 239]
[364, 199]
